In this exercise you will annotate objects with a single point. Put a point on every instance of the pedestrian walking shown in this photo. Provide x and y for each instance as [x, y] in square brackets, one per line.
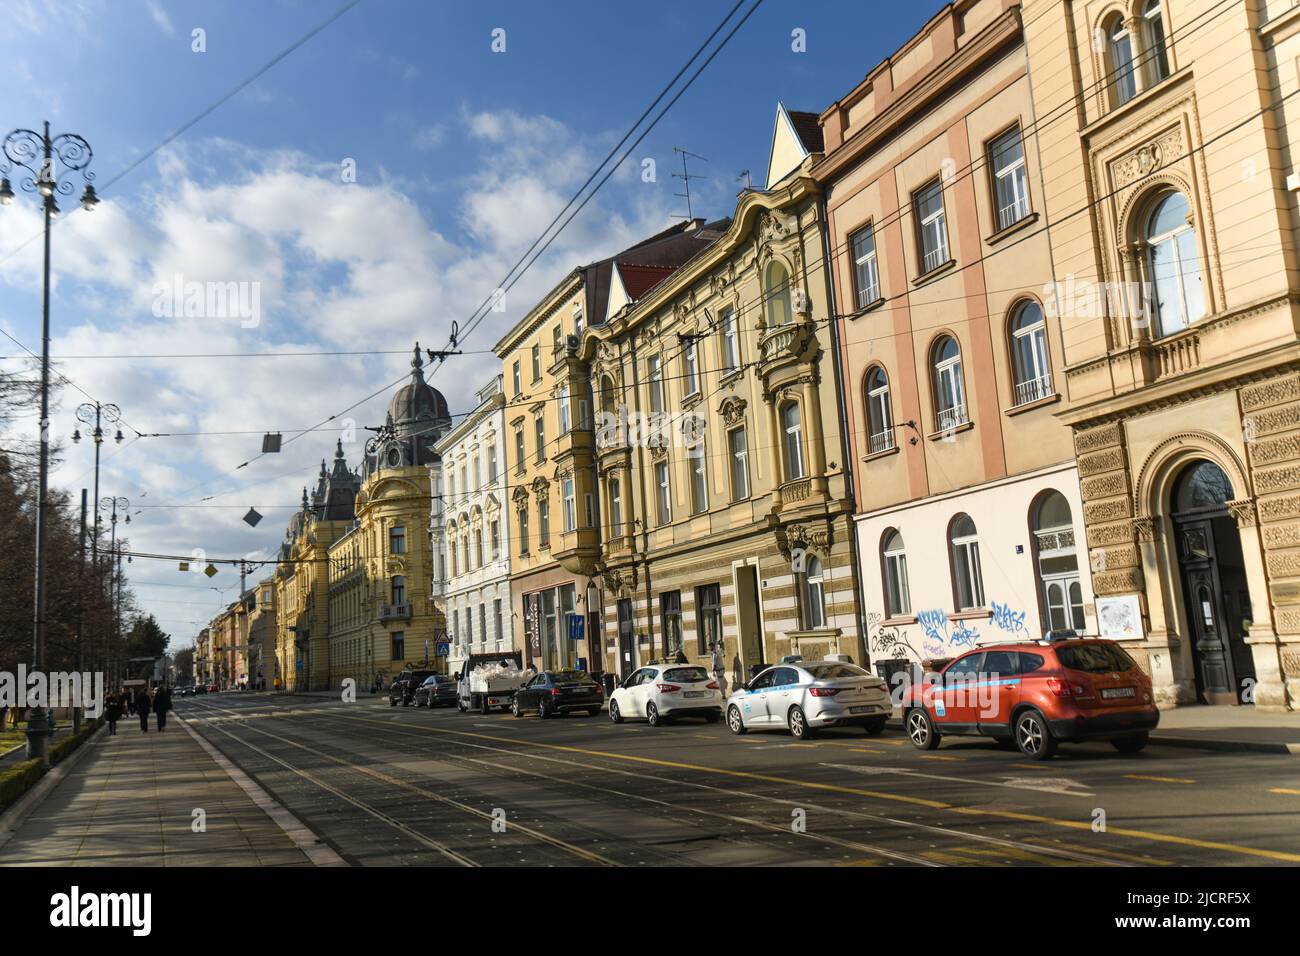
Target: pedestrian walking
[113, 713]
[162, 702]
[142, 704]
[130, 701]
[719, 665]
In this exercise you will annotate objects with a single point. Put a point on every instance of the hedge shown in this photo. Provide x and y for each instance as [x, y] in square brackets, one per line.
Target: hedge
[67, 745]
[17, 780]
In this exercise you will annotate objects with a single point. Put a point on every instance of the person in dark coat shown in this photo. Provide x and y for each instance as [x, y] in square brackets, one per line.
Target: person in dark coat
[162, 702]
[142, 705]
[113, 713]
[130, 701]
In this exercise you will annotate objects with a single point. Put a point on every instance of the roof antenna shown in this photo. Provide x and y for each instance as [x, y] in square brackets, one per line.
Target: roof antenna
[749, 182]
[685, 176]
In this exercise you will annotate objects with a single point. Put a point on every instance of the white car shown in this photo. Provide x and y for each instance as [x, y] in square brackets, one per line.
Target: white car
[807, 695]
[659, 692]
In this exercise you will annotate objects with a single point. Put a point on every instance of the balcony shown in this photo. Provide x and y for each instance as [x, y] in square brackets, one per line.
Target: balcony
[882, 441]
[394, 612]
[952, 418]
[1033, 390]
[578, 550]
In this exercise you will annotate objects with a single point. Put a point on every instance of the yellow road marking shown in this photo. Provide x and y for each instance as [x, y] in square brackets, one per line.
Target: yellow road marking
[1293, 793]
[1142, 776]
[1031, 766]
[1128, 857]
[939, 757]
[1081, 825]
[864, 750]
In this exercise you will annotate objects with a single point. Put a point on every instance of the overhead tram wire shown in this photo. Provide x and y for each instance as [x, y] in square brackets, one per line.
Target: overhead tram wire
[842, 247]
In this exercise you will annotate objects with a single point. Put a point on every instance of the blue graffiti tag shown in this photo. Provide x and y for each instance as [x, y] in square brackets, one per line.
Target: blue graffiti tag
[934, 623]
[1007, 619]
[938, 634]
[963, 636]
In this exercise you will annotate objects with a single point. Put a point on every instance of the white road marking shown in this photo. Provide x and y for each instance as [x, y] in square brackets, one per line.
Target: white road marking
[1062, 785]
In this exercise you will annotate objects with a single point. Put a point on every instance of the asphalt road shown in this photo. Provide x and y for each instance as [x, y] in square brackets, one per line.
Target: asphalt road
[405, 786]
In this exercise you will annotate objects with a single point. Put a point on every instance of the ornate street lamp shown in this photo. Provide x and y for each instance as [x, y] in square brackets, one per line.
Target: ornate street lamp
[46, 165]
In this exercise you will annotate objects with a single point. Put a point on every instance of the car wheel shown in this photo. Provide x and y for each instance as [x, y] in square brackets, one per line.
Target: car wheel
[484, 708]
[652, 715]
[735, 723]
[713, 716]
[799, 728]
[1130, 745]
[1033, 737]
[514, 708]
[920, 729]
[614, 714]
[542, 710]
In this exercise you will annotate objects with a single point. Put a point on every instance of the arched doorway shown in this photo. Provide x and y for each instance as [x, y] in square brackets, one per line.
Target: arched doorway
[1214, 583]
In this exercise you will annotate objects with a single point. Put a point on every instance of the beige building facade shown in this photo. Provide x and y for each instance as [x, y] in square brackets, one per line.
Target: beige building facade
[1170, 189]
[725, 500]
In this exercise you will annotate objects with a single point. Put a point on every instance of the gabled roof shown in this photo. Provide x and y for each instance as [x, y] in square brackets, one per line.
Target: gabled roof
[795, 136]
[640, 279]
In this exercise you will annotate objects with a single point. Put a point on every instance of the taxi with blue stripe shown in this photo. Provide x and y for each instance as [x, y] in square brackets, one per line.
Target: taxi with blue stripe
[803, 696]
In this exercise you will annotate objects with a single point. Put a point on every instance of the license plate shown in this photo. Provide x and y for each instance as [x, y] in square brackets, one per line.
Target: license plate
[696, 693]
[1110, 693]
[861, 710]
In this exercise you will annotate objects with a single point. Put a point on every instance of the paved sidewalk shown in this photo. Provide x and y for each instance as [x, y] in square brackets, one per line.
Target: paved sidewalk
[129, 802]
[1229, 728]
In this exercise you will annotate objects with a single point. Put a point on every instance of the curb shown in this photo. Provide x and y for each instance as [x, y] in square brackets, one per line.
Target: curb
[317, 851]
[1195, 743]
[18, 811]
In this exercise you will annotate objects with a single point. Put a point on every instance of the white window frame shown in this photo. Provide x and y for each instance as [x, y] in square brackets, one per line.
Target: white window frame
[795, 465]
[814, 580]
[730, 341]
[739, 457]
[691, 366]
[615, 507]
[932, 228]
[569, 500]
[1122, 68]
[950, 391]
[880, 413]
[970, 586]
[655, 378]
[696, 462]
[1032, 382]
[898, 591]
[1172, 239]
[866, 272]
[565, 420]
[664, 497]
[1010, 181]
[1156, 41]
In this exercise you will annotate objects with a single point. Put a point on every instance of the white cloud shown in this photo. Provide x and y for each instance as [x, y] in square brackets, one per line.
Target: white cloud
[160, 17]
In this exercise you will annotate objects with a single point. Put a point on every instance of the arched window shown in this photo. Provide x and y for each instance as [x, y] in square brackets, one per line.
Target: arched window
[898, 596]
[1153, 27]
[880, 418]
[451, 546]
[792, 441]
[1120, 46]
[1202, 486]
[949, 390]
[1029, 353]
[814, 594]
[968, 575]
[1058, 563]
[1174, 263]
[777, 289]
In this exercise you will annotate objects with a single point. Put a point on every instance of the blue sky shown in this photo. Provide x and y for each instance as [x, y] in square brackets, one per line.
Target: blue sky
[462, 155]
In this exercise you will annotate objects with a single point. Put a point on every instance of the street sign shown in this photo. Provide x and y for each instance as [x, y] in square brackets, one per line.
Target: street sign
[576, 621]
[443, 648]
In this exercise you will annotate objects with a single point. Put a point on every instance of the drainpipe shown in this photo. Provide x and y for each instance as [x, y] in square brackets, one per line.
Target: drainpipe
[841, 403]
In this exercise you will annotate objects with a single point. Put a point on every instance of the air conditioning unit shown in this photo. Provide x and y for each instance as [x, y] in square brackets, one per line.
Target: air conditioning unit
[572, 343]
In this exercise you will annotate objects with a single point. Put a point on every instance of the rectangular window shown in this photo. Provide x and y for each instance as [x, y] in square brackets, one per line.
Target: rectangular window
[932, 229]
[570, 517]
[496, 610]
[708, 617]
[399, 646]
[537, 362]
[589, 502]
[730, 341]
[543, 522]
[564, 410]
[670, 615]
[1010, 186]
[482, 623]
[664, 493]
[739, 464]
[656, 385]
[539, 430]
[691, 367]
[699, 480]
[492, 464]
[469, 626]
[496, 539]
[478, 473]
[577, 321]
[518, 379]
[519, 450]
[557, 338]
[866, 275]
[523, 531]
[397, 540]
[615, 507]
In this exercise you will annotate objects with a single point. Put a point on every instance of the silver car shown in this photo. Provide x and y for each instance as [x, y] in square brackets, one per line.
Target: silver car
[804, 696]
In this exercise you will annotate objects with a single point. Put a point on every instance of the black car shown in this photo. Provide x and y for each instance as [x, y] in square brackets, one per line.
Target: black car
[405, 684]
[558, 692]
[437, 689]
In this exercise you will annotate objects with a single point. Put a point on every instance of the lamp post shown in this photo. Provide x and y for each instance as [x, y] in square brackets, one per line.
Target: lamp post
[111, 504]
[99, 415]
[49, 164]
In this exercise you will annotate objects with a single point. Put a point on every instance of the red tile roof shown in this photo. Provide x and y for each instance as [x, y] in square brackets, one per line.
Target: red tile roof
[640, 279]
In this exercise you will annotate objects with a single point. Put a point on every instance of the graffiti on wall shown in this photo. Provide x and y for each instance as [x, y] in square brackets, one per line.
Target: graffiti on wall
[889, 642]
[943, 636]
[1005, 618]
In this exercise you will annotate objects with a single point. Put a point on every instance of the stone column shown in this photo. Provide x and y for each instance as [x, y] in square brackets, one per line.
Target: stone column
[812, 412]
[774, 443]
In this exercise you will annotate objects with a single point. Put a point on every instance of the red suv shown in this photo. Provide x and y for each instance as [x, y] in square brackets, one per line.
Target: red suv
[1036, 694]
